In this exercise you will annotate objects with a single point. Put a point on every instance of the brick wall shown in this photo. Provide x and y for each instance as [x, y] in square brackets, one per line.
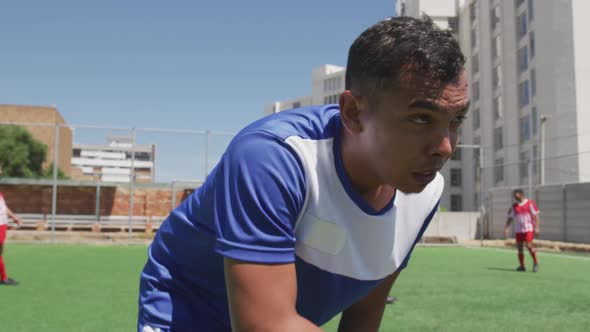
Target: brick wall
[45, 134]
[24, 198]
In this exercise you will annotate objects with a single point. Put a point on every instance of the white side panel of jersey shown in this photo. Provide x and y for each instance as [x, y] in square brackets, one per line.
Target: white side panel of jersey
[335, 235]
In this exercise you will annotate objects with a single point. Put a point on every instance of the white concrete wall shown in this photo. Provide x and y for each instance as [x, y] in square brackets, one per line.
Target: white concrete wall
[462, 225]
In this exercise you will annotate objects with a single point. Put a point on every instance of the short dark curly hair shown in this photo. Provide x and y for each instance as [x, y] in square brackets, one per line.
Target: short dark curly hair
[403, 51]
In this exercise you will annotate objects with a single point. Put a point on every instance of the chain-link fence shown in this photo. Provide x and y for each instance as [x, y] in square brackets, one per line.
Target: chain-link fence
[128, 179]
[110, 179]
[563, 202]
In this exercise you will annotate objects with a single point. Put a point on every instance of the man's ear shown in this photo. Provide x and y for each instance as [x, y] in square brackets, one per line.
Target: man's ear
[350, 112]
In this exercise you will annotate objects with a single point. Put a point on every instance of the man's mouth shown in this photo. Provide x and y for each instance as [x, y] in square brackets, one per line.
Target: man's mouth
[424, 177]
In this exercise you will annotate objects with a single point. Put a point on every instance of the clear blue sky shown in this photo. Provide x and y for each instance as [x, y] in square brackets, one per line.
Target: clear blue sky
[172, 64]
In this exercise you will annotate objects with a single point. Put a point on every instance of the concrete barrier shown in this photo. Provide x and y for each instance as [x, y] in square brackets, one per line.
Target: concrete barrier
[461, 225]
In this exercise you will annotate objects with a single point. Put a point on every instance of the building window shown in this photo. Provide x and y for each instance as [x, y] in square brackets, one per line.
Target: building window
[532, 43]
[497, 76]
[523, 93]
[331, 84]
[498, 138]
[475, 64]
[497, 106]
[531, 10]
[473, 37]
[518, 3]
[496, 47]
[456, 203]
[533, 82]
[453, 24]
[499, 170]
[523, 59]
[535, 120]
[457, 154]
[76, 153]
[524, 165]
[521, 25]
[473, 11]
[525, 128]
[333, 99]
[494, 17]
[475, 119]
[296, 104]
[475, 92]
[455, 177]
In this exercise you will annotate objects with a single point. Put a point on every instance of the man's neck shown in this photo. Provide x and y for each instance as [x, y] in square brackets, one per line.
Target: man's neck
[362, 178]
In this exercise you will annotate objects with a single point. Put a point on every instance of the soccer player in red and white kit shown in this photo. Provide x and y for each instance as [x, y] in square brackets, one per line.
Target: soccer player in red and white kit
[4, 214]
[525, 213]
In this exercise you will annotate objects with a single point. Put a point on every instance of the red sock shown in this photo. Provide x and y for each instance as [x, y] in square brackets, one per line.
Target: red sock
[521, 259]
[3, 275]
[533, 254]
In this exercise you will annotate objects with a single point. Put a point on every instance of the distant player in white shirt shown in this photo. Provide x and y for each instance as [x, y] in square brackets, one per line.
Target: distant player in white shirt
[4, 214]
[525, 215]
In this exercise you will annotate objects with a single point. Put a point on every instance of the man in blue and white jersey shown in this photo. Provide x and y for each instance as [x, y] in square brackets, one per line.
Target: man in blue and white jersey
[315, 211]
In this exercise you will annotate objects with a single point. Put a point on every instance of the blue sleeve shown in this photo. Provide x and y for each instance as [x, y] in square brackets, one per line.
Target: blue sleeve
[259, 194]
[422, 230]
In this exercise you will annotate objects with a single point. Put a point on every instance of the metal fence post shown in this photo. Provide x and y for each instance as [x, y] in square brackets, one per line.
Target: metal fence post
[207, 133]
[173, 197]
[97, 206]
[481, 195]
[530, 177]
[54, 191]
[132, 183]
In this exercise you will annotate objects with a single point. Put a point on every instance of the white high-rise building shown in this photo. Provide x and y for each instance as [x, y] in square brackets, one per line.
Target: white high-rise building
[528, 70]
[326, 85]
[444, 14]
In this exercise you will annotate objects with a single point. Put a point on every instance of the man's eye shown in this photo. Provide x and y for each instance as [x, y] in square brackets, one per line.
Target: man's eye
[421, 119]
[459, 120]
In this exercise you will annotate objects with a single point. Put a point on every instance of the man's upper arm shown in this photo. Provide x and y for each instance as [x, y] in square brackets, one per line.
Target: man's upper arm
[366, 314]
[262, 297]
[259, 194]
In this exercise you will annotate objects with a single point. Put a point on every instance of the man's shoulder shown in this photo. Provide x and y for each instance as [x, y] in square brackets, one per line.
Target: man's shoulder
[310, 122]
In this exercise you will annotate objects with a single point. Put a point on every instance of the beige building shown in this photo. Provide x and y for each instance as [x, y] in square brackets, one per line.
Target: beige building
[118, 161]
[41, 122]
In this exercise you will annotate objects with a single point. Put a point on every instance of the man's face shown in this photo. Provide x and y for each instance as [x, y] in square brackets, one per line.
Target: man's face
[518, 197]
[409, 136]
